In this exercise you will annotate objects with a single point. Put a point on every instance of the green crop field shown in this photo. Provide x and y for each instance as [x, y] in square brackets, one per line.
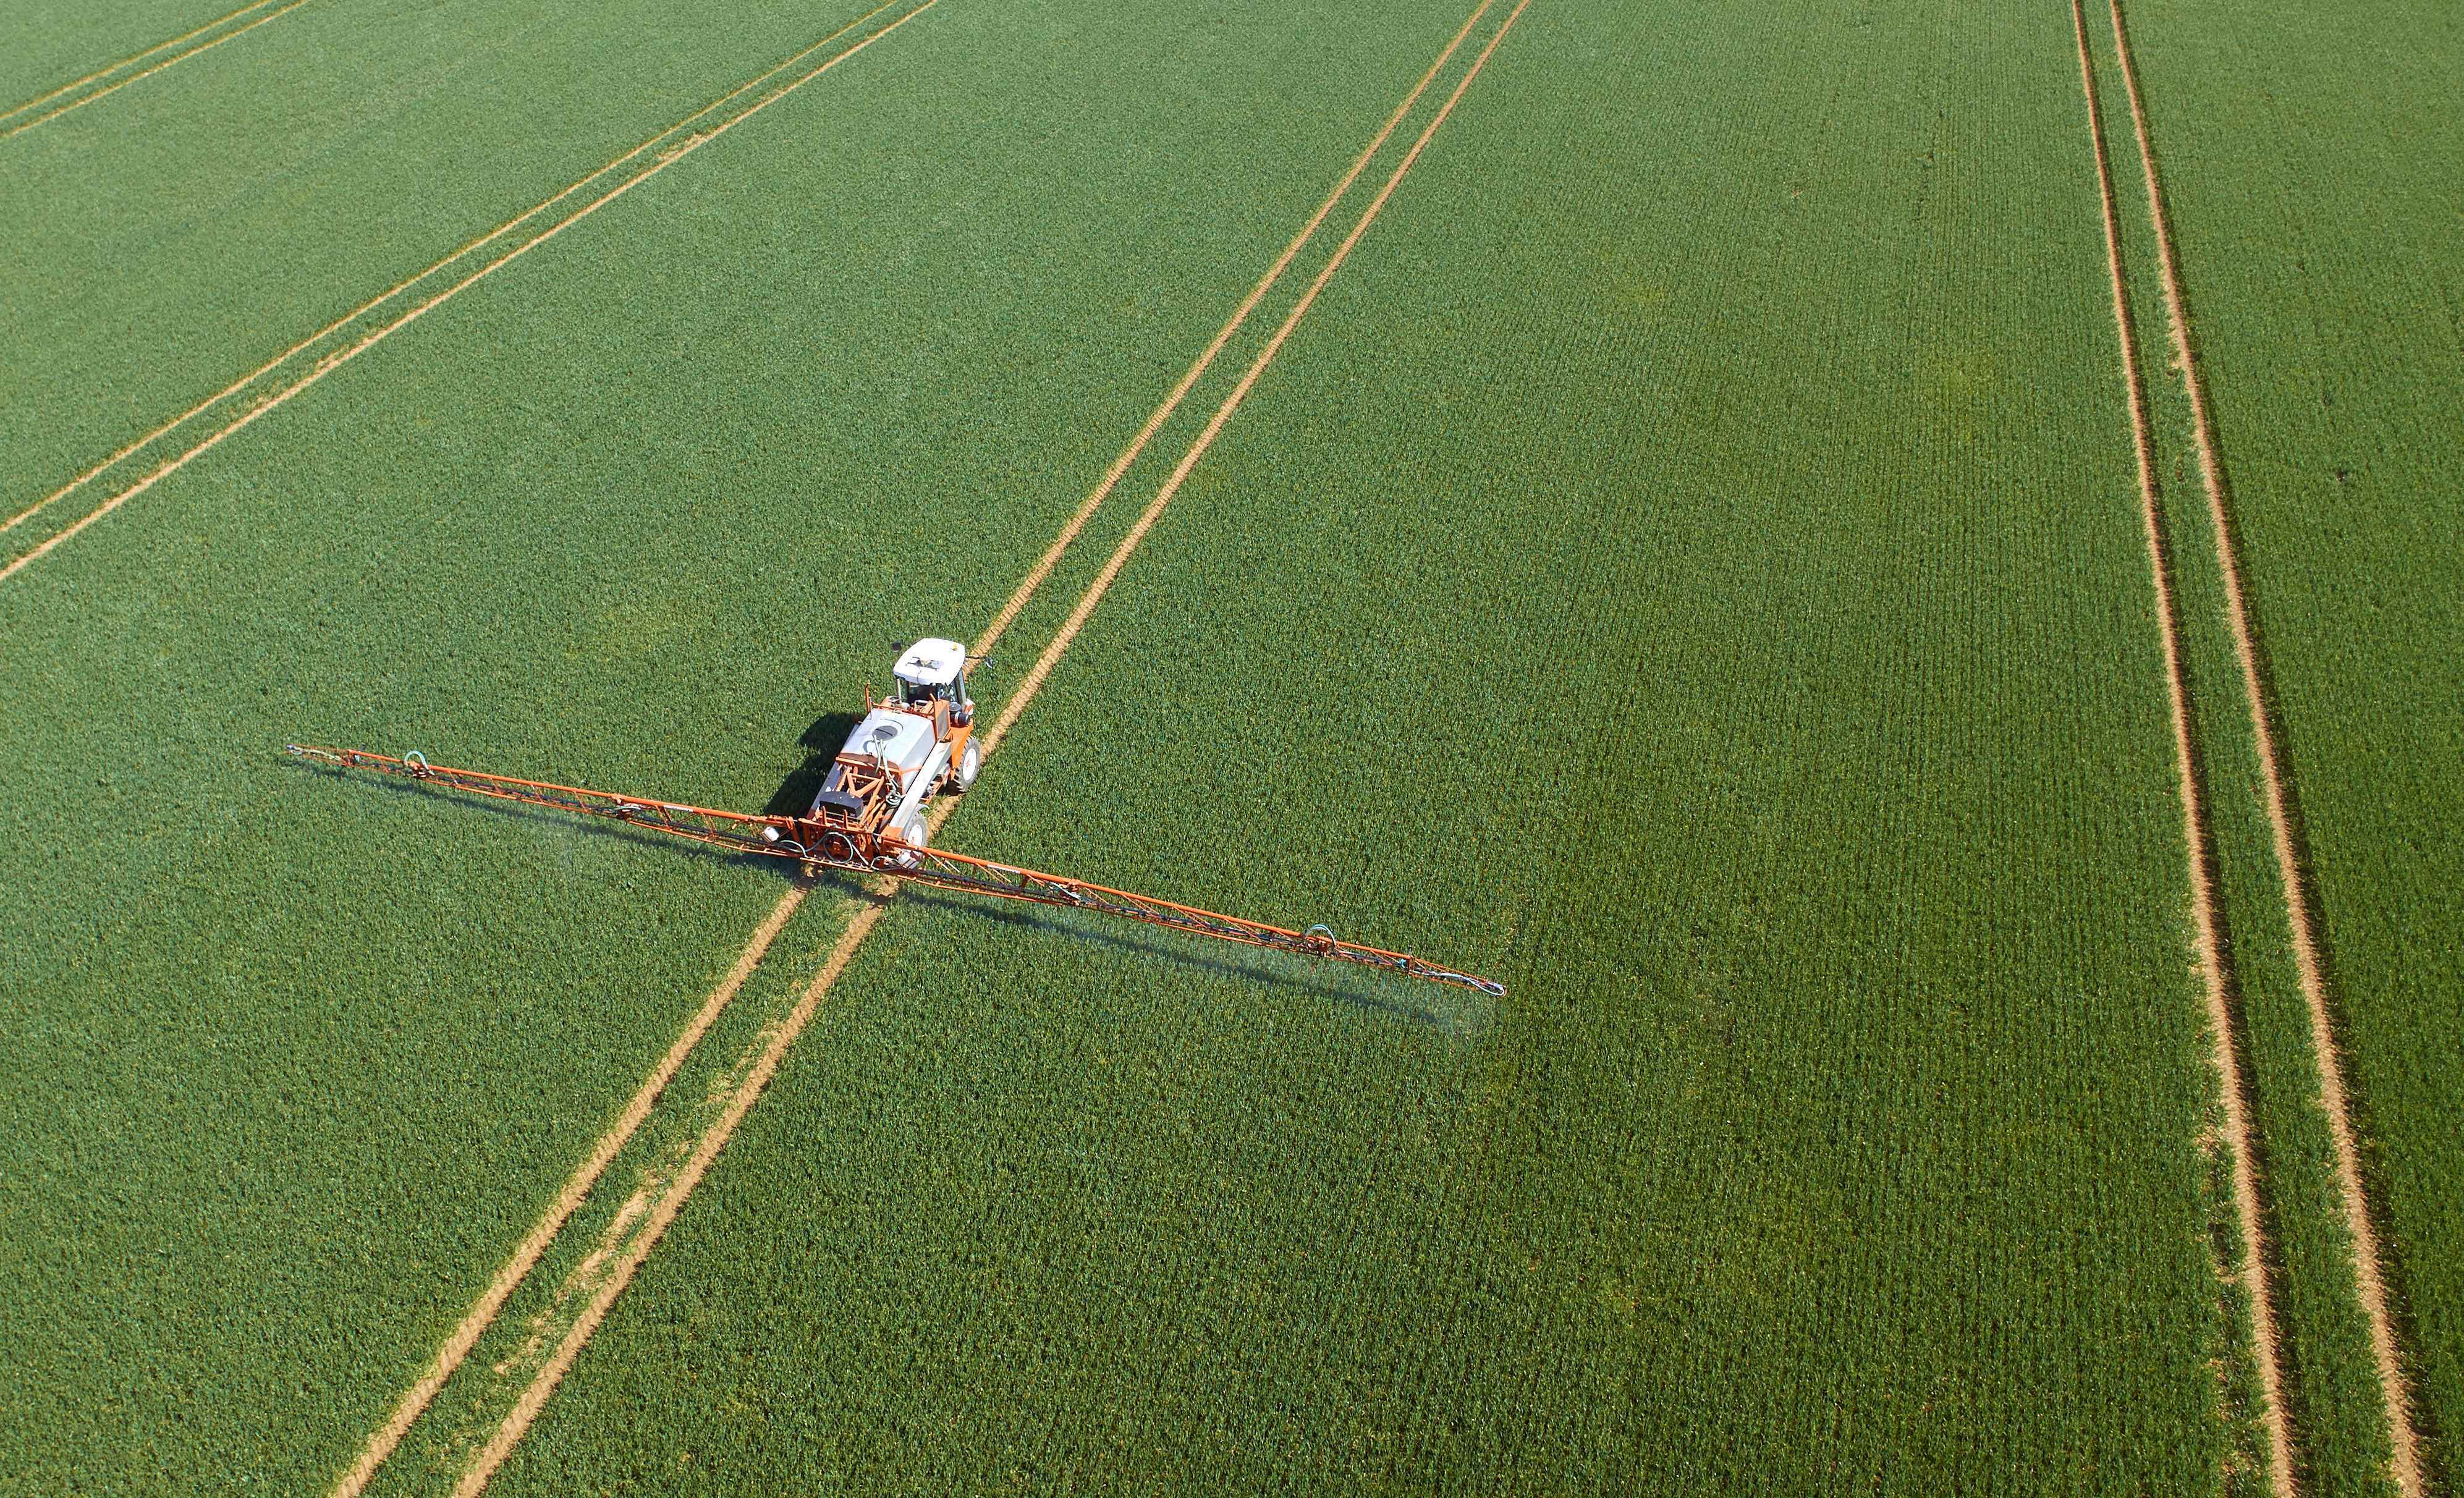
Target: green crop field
[1698, 517]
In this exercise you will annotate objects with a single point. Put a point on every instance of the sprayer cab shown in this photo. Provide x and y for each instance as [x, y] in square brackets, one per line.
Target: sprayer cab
[932, 672]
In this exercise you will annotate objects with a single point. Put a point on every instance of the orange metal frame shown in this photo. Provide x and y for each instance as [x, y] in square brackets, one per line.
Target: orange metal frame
[863, 848]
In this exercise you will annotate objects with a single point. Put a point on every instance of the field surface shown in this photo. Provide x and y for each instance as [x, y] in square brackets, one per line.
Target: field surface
[2325, 286]
[1701, 517]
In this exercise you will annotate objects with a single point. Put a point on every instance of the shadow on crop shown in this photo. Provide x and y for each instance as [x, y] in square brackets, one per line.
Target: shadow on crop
[820, 744]
[1465, 1013]
[1254, 967]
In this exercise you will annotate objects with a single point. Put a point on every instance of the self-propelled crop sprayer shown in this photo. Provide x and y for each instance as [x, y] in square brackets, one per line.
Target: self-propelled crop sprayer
[867, 817]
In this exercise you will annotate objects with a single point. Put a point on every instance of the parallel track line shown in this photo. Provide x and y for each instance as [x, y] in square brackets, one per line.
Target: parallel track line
[543, 1384]
[464, 253]
[518, 1422]
[2291, 857]
[1033, 580]
[335, 360]
[1189, 379]
[2213, 985]
[492, 1301]
[135, 78]
[108, 69]
[1232, 403]
[527, 1256]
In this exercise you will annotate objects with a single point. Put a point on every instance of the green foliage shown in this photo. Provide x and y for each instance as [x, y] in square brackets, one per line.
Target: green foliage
[168, 241]
[1687, 566]
[1596, 590]
[48, 45]
[2316, 215]
[2323, 1342]
[297, 1059]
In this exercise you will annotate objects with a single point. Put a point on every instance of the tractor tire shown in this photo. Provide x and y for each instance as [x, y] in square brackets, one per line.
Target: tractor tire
[970, 763]
[913, 834]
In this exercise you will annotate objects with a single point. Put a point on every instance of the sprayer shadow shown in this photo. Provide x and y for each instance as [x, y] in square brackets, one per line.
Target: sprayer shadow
[1463, 1013]
[566, 823]
[821, 743]
[1264, 971]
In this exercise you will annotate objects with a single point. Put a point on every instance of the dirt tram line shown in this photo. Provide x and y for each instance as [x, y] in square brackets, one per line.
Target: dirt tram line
[2291, 858]
[11, 126]
[260, 394]
[638, 1229]
[2214, 984]
[748, 1091]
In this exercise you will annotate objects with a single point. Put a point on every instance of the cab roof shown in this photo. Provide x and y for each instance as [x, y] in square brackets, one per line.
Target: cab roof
[931, 663]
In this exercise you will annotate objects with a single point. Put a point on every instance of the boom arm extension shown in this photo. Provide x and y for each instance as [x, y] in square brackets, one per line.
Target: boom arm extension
[775, 837]
[980, 877]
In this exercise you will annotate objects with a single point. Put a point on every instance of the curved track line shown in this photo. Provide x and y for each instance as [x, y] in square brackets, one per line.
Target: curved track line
[333, 361]
[2212, 982]
[543, 1384]
[372, 304]
[2405, 1457]
[108, 69]
[106, 93]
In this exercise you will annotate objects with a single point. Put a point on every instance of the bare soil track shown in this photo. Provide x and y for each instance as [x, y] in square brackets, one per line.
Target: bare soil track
[2214, 982]
[11, 127]
[869, 912]
[671, 145]
[2292, 859]
[131, 60]
[1042, 568]
[669, 1201]
[568, 1201]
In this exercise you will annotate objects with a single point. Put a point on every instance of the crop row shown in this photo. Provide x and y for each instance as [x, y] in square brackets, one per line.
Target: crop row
[1685, 566]
[170, 238]
[56, 46]
[299, 1059]
[2301, 177]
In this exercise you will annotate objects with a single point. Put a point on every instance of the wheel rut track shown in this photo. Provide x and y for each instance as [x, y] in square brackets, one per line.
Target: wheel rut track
[2218, 989]
[2290, 845]
[110, 68]
[10, 131]
[627, 1241]
[666, 149]
[662, 1214]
